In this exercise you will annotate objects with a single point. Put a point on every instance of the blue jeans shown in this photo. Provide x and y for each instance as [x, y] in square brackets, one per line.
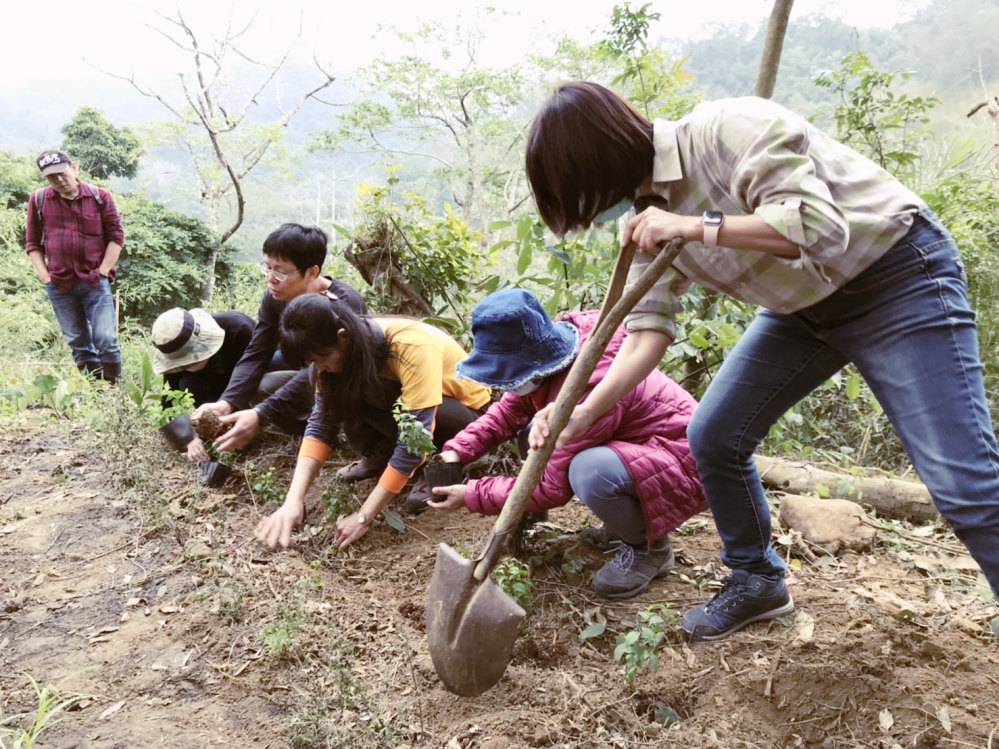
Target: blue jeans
[907, 325]
[600, 479]
[85, 314]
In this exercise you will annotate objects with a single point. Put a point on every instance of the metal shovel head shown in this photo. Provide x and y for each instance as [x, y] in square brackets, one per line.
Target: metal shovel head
[178, 432]
[472, 625]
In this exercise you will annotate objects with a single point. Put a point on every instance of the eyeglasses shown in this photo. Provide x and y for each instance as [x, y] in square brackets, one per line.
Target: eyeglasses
[278, 275]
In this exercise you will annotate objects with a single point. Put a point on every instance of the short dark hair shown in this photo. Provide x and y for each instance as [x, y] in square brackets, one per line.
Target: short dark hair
[309, 328]
[304, 246]
[588, 150]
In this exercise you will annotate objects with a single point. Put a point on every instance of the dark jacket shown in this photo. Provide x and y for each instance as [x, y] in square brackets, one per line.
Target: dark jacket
[255, 362]
[208, 384]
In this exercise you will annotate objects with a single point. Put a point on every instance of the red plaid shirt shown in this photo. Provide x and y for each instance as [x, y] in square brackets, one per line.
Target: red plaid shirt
[77, 234]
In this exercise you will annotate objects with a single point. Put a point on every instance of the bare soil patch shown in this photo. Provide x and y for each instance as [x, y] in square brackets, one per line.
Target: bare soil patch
[193, 635]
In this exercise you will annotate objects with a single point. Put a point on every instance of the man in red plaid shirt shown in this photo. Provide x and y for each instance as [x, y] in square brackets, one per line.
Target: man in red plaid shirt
[74, 239]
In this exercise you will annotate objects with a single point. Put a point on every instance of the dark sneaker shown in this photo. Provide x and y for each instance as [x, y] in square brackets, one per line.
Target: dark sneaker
[602, 538]
[417, 500]
[743, 599]
[632, 569]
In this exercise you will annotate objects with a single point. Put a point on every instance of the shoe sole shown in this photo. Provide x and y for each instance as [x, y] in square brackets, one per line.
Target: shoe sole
[766, 615]
[634, 592]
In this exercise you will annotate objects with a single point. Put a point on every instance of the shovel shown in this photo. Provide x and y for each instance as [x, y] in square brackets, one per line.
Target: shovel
[472, 625]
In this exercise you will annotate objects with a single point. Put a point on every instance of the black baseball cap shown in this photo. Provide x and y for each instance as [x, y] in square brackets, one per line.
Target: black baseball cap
[53, 162]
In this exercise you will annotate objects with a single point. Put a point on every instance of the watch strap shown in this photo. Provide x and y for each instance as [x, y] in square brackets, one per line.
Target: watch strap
[711, 223]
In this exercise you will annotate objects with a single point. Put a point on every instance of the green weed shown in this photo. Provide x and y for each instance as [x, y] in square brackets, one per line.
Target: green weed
[50, 704]
[280, 637]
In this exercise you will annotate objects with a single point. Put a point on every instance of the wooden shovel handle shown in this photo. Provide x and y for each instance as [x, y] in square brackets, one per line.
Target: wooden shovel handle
[611, 316]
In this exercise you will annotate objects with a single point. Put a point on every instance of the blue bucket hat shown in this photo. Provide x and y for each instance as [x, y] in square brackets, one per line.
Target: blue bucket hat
[515, 341]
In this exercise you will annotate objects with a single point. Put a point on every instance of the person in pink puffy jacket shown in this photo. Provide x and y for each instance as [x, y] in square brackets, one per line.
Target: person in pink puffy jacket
[632, 467]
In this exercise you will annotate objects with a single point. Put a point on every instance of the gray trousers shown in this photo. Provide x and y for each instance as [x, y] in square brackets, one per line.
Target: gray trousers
[601, 481]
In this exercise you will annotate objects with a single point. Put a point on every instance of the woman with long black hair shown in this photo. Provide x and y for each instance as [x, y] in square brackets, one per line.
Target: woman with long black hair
[361, 367]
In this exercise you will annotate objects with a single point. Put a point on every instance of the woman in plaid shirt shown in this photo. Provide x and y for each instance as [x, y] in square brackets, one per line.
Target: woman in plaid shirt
[850, 267]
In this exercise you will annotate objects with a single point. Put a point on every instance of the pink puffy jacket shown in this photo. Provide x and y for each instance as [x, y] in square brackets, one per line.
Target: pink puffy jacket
[647, 428]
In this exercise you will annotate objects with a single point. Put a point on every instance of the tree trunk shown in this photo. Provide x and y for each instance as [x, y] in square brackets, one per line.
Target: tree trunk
[772, 47]
[894, 498]
[374, 258]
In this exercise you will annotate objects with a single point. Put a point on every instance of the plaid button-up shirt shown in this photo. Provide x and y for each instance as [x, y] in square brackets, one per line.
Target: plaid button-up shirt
[77, 233]
[752, 156]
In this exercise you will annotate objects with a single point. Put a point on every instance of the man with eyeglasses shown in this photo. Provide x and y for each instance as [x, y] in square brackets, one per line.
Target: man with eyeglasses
[262, 389]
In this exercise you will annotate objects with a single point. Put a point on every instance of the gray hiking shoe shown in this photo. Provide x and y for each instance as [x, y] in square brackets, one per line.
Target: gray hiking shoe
[602, 538]
[632, 569]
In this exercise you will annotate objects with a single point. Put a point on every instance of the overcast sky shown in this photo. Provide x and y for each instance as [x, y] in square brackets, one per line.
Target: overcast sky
[53, 48]
[46, 41]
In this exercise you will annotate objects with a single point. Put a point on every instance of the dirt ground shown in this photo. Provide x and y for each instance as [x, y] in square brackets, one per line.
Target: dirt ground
[191, 635]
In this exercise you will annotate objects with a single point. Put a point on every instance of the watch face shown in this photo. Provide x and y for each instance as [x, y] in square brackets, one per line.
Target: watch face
[713, 218]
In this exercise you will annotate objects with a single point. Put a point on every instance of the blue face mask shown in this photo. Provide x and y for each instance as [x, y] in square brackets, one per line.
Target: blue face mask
[614, 212]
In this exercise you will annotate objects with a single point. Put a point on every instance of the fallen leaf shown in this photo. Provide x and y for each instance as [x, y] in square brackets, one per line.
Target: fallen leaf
[170, 609]
[38, 580]
[112, 710]
[805, 624]
[12, 527]
[943, 715]
[886, 720]
[124, 617]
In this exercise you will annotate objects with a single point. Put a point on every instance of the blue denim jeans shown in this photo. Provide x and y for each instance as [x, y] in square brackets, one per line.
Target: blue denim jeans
[907, 325]
[85, 314]
[600, 479]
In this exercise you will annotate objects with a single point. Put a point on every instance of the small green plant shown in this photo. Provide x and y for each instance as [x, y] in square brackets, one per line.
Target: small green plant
[264, 485]
[150, 393]
[514, 578]
[50, 704]
[338, 500]
[416, 437]
[280, 637]
[640, 648]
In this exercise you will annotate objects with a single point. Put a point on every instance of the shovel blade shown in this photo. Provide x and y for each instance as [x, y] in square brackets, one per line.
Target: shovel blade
[472, 625]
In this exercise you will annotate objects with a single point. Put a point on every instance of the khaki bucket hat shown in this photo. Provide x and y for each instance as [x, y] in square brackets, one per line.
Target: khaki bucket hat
[184, 338]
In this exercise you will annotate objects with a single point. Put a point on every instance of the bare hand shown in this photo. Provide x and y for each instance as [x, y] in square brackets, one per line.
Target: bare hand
[450, 456]
[453, 498]
[579, 421]
[276, 528]
[348, 530]
[196, 450]
[246, 424]
[653, 227]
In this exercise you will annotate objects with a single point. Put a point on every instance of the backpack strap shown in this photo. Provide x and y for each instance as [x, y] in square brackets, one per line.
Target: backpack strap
[39, 200]
[95, 193]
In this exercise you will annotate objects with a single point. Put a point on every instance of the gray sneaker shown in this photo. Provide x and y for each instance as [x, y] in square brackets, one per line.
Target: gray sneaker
[602, 538]
[632, 569]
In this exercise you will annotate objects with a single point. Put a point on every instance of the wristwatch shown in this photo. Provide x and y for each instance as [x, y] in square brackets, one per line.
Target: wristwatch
[363, 519]
[712, 222]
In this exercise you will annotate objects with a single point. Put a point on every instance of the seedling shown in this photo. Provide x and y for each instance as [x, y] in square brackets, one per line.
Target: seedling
[640, 648]
[265, 484]
[416, 437]
[280, 637]
[338, 499]
[514, 579]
